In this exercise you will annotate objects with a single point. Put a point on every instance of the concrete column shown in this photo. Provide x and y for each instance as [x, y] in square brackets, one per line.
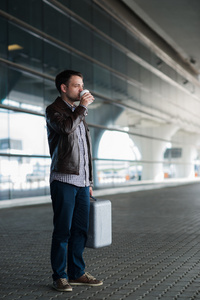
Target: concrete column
[185, 166]
[152, 150]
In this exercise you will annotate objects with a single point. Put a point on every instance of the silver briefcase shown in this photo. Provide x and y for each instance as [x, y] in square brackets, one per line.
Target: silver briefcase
[100, 227]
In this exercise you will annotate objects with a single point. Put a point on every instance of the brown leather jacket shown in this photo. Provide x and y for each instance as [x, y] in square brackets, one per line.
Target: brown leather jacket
[62, 137]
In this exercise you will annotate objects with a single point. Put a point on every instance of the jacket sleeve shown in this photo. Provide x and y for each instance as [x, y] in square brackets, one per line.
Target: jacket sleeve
[61, 121]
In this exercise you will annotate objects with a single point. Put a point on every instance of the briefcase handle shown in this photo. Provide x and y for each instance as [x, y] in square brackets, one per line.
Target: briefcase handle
[95, 199]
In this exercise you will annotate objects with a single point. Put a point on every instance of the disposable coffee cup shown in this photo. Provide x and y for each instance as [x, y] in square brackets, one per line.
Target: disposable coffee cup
[83, 92]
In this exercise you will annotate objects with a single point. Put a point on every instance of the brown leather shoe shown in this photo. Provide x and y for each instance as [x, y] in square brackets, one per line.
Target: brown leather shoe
[62, 285]
[86, 279]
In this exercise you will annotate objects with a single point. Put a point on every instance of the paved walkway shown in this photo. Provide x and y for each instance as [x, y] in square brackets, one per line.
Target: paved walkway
[155, 252]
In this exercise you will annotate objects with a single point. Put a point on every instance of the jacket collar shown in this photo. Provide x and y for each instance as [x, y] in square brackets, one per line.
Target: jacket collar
[61, 104]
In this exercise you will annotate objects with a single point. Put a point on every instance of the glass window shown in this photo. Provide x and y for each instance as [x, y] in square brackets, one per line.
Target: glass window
[118, 32]
[86, 68]
[60, 28]
[167, 70]
[102, 81]
[22, 133]
[133, 69]
[119, 61]
[23, 177]
[3, 38]
[5, 178]
[82, 8]
[4, 125]
[101, 20]
[132, 43]
[130, 100]
[158, 98]
[145, 94]
[27, 51]
[101, 50]
[81, 38]
[112, 168]
[133, 94]
[55, 59]
[65, 2]
[29, 133]
[117, 145]
[50, 92]
[29, 11]
[3, 4]
[110, 173]
[144, 52]
[103, 113]
[4, 83]
[119, 88]
[24, 91]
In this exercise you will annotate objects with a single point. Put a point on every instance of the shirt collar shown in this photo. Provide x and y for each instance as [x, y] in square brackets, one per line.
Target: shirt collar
[69, 105]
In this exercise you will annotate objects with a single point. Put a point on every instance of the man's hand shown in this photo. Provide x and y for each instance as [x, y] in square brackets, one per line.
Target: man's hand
[91, 191]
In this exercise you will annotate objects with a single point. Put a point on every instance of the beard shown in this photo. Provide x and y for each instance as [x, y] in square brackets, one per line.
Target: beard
[73, 98]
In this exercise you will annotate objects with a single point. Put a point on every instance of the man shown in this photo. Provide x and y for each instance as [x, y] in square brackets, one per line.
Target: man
[70, 181]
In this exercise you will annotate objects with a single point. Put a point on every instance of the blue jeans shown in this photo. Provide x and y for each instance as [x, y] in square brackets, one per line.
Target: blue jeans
[71, 206]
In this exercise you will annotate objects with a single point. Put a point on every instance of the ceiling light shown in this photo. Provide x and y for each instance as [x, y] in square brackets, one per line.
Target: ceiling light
[14, 47]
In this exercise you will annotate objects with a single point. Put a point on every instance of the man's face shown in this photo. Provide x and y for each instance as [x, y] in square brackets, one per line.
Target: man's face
[74, 87]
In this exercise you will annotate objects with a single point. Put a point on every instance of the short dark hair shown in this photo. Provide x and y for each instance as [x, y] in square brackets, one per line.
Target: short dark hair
[64, 77]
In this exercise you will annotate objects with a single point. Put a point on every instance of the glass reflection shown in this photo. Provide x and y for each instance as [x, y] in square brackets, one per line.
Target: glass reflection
[23, 176]
[114, 165]
[28, 131]
[118, 145]
[24, 91]
[110, 173]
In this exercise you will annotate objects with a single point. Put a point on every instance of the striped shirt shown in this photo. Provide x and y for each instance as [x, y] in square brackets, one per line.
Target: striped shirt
[82, 179]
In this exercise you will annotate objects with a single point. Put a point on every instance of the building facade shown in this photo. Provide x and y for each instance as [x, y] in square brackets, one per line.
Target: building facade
[144, 123]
